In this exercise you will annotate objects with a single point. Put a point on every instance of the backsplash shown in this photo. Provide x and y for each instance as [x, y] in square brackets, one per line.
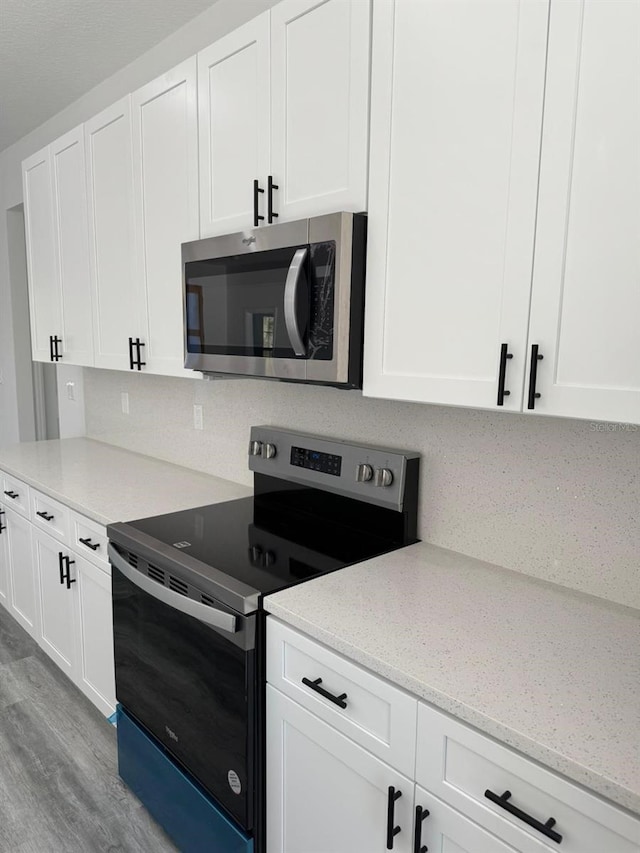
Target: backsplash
[553, 498]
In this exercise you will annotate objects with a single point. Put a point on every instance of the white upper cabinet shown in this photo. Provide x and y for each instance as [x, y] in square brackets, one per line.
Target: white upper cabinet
[456, 116]
[585, 310]
[234, 114]
[42, 264]
[283, 110]
[70, 217]
[319, 106]
[118, 303]
[165, 172]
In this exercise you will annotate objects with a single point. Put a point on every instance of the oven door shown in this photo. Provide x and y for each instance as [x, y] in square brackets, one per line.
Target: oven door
[186, 671]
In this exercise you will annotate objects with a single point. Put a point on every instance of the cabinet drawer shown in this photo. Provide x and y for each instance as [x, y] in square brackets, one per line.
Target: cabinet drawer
[459, 765]
[51, 516]
[89, 539]
[378, 716]
[15, 494]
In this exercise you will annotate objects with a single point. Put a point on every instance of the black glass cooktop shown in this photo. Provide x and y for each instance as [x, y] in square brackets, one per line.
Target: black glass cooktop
[278, 538]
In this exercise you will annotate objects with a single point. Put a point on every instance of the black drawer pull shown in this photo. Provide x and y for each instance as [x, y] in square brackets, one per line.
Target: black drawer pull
[93, 545]
[392, 829]
[2, 526]
[61, 566]
[46, 516]
[257, 189]
[315, 685]
[502, 373]
[418, 846]
[12, 495]
[544, 828]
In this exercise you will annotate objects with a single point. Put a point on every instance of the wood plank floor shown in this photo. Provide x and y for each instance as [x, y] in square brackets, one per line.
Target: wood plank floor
[59, 786]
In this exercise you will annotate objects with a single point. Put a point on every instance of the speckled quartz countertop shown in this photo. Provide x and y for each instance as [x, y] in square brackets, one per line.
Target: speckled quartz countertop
[109, 484]
[551, 672]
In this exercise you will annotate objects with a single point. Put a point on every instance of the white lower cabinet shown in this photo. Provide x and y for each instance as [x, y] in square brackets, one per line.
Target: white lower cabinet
[21, 586]
[4, 559]
[324, 792]
[94, 635]
[464, 791]
[56, 601]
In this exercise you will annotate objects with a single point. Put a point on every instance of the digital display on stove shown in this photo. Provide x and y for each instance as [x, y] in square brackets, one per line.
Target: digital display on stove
[325, 463]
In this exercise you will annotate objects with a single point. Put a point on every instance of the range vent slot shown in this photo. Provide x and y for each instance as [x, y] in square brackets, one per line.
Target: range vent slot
[155, 573]
[205, 599]
[133, 560]
[178, 586]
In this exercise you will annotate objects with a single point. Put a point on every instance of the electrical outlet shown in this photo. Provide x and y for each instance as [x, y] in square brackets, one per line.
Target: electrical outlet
[198, 422]
[71, 390]
[124, 398]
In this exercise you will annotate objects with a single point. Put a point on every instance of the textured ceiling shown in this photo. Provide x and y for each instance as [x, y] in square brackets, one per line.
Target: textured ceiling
[53, 51]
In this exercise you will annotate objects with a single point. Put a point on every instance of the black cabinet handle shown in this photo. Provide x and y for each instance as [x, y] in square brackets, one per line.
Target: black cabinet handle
[136, 363]
[56, 354]
[392, 830]
[61, 566]
[12, 495]
[93, 545]
[533, 376]
[544, 828]
[315, 685]
[2, 526]
[270, 188]
[65, 573]
[418, 846]
[46, 516]
[68, 577]
[257, 189]
[51, 356]
[502, 373]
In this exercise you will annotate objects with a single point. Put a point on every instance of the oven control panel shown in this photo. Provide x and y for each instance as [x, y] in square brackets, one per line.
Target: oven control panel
[372, 474]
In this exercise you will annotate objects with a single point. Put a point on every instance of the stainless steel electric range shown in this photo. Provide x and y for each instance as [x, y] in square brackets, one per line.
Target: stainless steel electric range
[189, 622]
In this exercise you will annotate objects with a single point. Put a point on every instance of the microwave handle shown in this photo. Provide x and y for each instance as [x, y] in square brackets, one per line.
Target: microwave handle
[210, 615]
[291, 287]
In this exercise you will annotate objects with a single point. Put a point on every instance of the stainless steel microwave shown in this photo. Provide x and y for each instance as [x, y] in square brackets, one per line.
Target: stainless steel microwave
[281, 301]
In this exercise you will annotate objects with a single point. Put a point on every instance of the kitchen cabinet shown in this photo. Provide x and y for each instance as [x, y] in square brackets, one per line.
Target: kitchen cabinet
[327, 790]
[4, 559]
[56, 601]
[234, 113]
[585, 300]
[118, 298]
[283, 110]
[165, 183]
[45, 299]
[456, 118]
[21, 585]
[460, 294]
[72, 239]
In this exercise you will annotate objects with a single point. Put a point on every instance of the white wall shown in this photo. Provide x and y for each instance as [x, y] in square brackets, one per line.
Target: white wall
[220, 19]
[554, 498]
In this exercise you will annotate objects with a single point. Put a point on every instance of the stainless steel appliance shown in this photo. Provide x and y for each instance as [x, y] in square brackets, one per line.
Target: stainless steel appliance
[281, 301]
[189, 622]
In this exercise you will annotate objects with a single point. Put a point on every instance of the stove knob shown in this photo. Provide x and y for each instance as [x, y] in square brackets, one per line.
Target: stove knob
[364, 473]
[255, 448]
[383, 477]
[269, 559]
[255, 555]
[268, 451]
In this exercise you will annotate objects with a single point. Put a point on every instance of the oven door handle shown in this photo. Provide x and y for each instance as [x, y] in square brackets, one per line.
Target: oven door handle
[209, 615]
[291, 288]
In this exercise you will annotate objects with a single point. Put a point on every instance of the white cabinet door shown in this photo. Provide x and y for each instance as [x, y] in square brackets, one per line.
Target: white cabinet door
[57, 634]
[447, 831]
[42, 265]
[324, 792]
[72, 238]
[233, 110]
[118, 304]
[586, 285]
[165, 171]
[457, 93]
[22, 587]
[320, 106]
[95, 676]
[4, 559]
